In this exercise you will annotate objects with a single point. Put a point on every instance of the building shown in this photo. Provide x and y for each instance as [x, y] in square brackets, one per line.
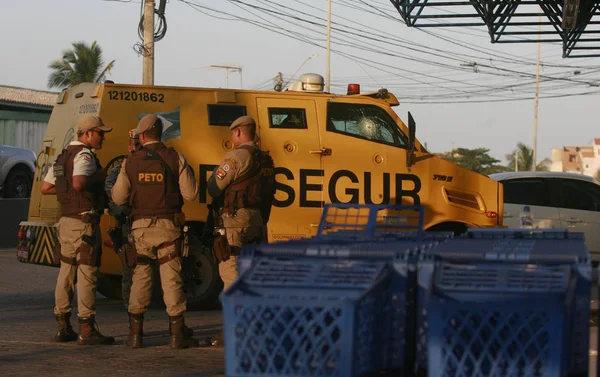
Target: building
[24, 115]
[582, 159]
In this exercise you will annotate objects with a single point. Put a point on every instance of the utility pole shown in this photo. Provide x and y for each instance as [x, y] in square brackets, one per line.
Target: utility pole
[517, 160]
[227, 68]
[537, 89]
[328, 73]
[148, 48]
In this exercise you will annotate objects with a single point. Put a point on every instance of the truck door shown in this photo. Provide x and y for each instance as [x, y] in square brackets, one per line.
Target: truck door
[365, 159]
[289, 131]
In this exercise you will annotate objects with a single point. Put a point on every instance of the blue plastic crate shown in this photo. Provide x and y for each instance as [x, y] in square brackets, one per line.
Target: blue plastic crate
[515, 337]
[396, 349]
[363, 221]
[305, 317]
[554, 250]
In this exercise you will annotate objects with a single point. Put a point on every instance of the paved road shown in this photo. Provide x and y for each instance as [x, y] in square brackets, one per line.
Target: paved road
[27, 327]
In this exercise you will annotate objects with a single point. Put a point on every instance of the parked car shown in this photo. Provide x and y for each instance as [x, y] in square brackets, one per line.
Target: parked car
[556, 200]
[17, 167]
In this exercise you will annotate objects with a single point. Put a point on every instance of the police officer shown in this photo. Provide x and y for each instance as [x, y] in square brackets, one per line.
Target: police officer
[236, 181]
[77, 179]
[155, 180]
[120, 233]
[245, 182]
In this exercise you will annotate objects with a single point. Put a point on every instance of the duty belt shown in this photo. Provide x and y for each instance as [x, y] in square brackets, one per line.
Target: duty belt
[86, 217]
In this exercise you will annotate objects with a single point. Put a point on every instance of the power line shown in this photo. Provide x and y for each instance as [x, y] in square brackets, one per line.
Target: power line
[419, 78]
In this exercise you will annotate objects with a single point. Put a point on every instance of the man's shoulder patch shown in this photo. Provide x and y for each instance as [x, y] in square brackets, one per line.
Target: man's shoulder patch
[221, 173]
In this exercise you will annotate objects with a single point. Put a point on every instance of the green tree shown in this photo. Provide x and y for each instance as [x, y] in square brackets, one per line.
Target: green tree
[477, 160]
[525, 159]
[83, 63]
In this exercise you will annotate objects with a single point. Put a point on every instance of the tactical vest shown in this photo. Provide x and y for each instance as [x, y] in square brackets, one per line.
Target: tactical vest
[256, 188]
[154, 175]
[73, 202]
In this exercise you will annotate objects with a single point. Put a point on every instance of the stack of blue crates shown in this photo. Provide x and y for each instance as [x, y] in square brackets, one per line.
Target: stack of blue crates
[396, 246]
[499, 302]
[372, 291]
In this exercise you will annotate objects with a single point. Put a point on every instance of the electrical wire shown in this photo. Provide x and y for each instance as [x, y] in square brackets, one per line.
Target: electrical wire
[493, 77]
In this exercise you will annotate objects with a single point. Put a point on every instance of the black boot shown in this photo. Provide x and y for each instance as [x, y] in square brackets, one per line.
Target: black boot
[180, 337]
[89, 334]
[65, 330]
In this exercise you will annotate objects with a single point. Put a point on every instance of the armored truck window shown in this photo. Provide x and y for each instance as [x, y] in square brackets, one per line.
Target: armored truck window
[287, 118]
[364, 122]
[224, 115]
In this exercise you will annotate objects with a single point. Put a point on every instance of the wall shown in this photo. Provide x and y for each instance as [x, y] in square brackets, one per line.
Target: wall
[22, 133]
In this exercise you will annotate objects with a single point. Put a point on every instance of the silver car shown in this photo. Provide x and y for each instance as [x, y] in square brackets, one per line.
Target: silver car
[556, 200]
[17, 167]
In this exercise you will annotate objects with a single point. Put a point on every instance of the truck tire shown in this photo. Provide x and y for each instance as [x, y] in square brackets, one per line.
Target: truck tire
[18, 184]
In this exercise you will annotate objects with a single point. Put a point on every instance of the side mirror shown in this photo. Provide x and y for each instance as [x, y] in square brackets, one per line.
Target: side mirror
[412, 128]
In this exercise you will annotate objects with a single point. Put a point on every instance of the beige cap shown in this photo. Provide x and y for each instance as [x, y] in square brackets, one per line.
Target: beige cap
[147, 122]
[245, 120]
[133, 133]
[91, 122]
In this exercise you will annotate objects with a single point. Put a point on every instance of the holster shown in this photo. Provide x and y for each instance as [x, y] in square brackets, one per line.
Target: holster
[221, 248]
[116, 236]
[128, 255]
[90, 251]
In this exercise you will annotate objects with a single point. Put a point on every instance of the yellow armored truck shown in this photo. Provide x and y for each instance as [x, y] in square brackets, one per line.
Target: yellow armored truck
[327, 148]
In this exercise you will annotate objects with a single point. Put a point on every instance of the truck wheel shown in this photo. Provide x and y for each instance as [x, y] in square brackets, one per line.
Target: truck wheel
[202, 283]
[18, 184]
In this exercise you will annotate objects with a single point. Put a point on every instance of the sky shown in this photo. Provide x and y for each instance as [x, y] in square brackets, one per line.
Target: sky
[370, 44]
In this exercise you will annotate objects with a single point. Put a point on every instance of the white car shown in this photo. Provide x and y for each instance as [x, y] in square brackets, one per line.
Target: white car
[556, 200]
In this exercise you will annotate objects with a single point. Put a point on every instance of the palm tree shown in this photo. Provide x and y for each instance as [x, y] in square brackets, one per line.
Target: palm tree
[83, 63]
[525, 159]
